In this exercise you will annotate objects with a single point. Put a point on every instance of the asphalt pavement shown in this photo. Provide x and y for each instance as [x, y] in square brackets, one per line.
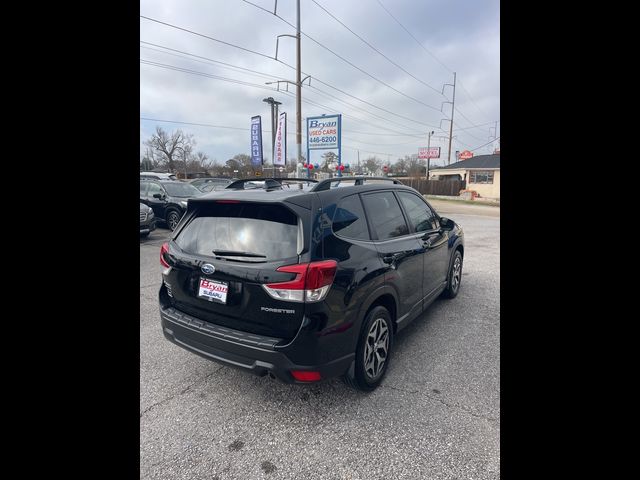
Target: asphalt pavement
[435, 416]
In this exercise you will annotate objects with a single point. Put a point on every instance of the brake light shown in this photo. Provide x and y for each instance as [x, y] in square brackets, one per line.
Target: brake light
[164, 249]
[311, 283]
[305, 376]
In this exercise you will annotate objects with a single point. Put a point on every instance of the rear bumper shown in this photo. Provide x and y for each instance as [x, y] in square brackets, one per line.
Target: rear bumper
[148, 226]
[253, 353]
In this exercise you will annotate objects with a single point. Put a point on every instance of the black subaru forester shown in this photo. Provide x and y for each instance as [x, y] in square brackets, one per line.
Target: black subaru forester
[306, 280]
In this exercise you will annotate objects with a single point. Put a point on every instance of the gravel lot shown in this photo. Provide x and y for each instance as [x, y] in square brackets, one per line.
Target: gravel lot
[436, 415]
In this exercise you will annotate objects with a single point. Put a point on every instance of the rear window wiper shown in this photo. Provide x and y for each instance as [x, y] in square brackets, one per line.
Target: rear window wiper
[232, 253]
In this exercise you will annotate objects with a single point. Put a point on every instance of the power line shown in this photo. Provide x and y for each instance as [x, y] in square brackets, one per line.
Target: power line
[248, 129]
[494, 140]
[208, 75]
[432, 56]
[263, 74]
[325, 94]
[417, 41]
[197, 124]
[279, 61]
[206, 36]
[375, 49]
[208, 60]
[347, 61]
[235, 81]
[472, 101]
[474, 126]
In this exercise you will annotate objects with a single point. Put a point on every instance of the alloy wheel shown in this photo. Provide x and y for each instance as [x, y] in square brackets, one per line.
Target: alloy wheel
[377, 348]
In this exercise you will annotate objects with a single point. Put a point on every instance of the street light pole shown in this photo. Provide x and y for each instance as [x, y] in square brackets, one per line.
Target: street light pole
[429, 152]
[274, 118]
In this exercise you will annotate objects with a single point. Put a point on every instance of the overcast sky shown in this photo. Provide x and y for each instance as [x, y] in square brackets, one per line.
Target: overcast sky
[454, 35]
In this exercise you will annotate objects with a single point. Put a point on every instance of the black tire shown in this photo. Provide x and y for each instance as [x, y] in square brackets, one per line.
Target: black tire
[172, 219]
[366, 376]
[454, 277]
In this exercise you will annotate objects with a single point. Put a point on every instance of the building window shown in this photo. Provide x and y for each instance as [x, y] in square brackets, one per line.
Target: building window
[481, 176]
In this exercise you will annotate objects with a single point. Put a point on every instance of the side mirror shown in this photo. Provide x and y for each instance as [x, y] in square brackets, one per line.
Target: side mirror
[158, 195]
[445, 222]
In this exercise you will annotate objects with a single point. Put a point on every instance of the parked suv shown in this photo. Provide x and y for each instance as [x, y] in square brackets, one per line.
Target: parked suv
[167, 198]
[307, 282]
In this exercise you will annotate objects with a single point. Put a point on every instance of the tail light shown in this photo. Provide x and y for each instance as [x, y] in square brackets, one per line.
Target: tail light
[164, 249]
[311, 284]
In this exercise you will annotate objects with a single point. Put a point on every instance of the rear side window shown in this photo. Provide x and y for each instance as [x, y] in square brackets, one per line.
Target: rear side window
[349, 220]
[245, 232]
[383, 211]
[143, 188]
[419, 213]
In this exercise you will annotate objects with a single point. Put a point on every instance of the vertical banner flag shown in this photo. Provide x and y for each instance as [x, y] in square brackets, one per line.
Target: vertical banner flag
[280, 154]
[256, 142]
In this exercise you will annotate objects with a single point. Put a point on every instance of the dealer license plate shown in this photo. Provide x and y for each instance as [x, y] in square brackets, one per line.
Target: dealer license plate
[213, 290]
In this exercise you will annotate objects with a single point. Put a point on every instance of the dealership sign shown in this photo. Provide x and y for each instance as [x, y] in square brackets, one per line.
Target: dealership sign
[323, 132]
[431, 152]
[466, 154]
[256, 141]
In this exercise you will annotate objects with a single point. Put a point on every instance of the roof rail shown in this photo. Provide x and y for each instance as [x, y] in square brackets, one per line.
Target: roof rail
[359, 180]
[270, 183]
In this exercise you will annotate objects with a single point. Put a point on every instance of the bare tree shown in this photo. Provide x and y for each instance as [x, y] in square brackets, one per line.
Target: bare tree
[171, 147]
[400, 166]
[372, 164]
[329, 158]
[415, 166]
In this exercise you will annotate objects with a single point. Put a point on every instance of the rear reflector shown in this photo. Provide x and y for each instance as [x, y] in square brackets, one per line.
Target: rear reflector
[164, 249]
[311, 283]
[305, 376]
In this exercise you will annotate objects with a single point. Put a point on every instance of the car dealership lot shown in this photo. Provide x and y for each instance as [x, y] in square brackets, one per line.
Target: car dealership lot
[436, 414]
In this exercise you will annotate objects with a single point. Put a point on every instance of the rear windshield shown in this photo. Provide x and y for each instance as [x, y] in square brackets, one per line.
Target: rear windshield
[245, 232]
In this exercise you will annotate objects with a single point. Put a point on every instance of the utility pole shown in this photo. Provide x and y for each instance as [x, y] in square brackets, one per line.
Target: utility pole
[453, 105]
[359, 171]
[428, 152]
[298, 87]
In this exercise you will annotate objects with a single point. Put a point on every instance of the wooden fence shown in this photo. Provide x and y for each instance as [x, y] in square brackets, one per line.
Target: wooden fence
[435, 187]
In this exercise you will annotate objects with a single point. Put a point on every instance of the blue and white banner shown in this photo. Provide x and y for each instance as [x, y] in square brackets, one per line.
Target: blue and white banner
[280, 153]
[256, 142]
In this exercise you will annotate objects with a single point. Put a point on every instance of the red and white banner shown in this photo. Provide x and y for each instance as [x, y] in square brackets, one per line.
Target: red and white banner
[431, 152]
[465, 155]
[280, 153]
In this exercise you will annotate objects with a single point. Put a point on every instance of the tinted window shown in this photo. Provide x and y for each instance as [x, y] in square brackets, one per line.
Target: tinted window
[154, 188]
[179, 189]
[349, 220]
[419, 213]
[268, 230]
[143, 188]
[385, 216]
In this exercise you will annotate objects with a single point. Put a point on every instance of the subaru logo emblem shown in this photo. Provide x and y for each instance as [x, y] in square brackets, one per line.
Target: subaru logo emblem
[208, 269]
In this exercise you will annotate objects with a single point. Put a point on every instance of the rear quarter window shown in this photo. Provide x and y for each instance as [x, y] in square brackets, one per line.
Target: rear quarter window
[349, 220]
